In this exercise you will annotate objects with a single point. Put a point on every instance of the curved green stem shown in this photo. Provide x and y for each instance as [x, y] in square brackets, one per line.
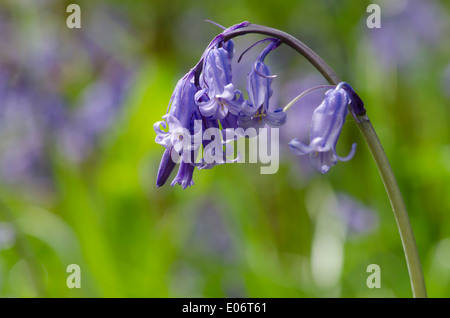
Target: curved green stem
[398, 206]
[374, 144]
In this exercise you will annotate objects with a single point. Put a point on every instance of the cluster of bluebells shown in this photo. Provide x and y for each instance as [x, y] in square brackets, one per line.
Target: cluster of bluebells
[207, 94]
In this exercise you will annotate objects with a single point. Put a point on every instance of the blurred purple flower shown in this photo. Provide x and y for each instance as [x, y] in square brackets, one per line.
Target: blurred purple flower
[358, 218]
[23, 156]
[99, 110]
[406, 30]
[210, 235]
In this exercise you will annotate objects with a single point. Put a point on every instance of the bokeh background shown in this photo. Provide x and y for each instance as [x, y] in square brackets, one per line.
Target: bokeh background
[78, 160]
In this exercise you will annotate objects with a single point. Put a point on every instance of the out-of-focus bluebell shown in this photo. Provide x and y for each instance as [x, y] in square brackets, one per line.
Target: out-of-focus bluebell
[358, 218]
[326, 125]
[98, 110]
[23, 156]
[407, 29]
[210, 235]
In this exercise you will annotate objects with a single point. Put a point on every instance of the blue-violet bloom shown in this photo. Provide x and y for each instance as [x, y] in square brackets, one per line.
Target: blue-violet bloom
[255, 112]
[180, 127]
[218, 95]
[326, 126]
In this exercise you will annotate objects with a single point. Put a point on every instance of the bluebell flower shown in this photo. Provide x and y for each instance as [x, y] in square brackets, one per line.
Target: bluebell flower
[218, 95]
[419, 25]
[255, 111]
[358, 218]
[180, 128]
[178, 119]
[326, 126]
[100, 108]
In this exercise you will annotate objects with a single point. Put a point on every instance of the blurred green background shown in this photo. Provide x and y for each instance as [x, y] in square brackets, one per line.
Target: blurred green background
[78, 160]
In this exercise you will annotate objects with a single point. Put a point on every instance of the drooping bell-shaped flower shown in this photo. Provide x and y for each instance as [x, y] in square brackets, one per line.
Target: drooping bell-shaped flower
[255, 112]
[326, 126]
[178, 122]
[178, 119]
[218, 96]
[186, 170]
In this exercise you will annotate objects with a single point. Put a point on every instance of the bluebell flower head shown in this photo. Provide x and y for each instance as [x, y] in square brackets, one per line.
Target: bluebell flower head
[326, 126]
[204, 94]
[255, 112]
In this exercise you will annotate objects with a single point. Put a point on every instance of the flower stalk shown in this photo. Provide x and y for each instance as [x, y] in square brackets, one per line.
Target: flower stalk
[398, 206]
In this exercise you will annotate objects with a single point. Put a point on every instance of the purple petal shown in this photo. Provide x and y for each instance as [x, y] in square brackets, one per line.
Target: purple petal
[165, 168]
[323, 161]
[349, 156]
[276, 118]
[184, 175]
[299, 148]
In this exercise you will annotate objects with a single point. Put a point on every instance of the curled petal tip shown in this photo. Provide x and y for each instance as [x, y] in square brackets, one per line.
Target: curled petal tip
[299, 148]
[263, 75]
[349, 156]
[216, 24]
